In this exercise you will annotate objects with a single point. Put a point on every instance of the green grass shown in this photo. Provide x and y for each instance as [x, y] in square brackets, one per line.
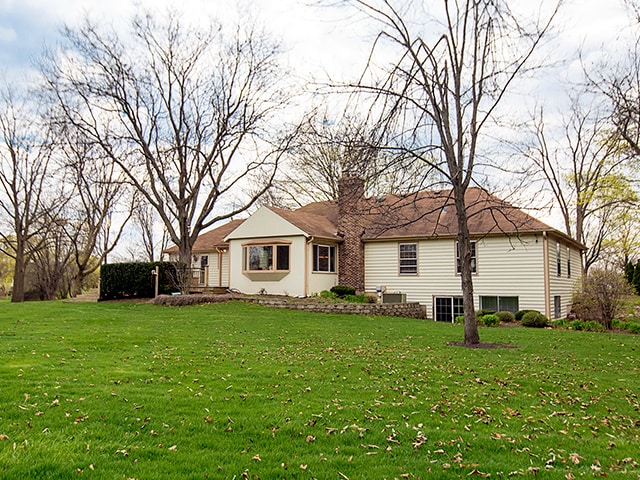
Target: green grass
[125, 390]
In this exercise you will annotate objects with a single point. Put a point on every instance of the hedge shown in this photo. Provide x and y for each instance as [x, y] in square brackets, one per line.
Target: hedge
[134, 280]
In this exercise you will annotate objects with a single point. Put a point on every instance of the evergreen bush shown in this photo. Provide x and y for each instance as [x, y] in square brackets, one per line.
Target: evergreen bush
[534, 319]
[490, 320]
[521, 313]
[134, 280]
[506, 317]
[343, 290]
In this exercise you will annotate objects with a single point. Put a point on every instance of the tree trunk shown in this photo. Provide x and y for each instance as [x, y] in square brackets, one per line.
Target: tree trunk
[183, 267]
[471, 335]
[19, 276]
[76, 284]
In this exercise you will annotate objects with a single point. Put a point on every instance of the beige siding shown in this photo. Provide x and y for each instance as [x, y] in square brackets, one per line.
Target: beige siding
[562, 285]
[505, 268]
[263, 226]
[214, 276]
[225, 269]
[276, 283]
[218, 261]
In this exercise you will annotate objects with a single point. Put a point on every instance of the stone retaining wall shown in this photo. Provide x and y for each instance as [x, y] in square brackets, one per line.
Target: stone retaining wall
[408, 310]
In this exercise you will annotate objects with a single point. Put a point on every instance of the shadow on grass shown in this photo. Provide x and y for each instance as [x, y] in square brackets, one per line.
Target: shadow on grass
[480, 345]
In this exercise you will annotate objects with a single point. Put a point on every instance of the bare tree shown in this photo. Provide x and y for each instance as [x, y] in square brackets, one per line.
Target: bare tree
[49, 274]
[326, 149]
[444, 88]
[619, 81]
[25, 193]
[186, 112]
[98, 191]
[601, 296]
[145, 222]
[586, 173]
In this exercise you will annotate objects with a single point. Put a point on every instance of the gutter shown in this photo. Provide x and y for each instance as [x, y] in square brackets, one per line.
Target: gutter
[310, 240]
[547, 278]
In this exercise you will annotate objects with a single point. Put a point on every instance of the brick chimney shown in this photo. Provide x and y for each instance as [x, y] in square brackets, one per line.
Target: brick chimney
[350, 227]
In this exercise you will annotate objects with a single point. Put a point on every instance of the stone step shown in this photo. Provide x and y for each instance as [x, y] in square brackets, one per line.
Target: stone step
[89, 296]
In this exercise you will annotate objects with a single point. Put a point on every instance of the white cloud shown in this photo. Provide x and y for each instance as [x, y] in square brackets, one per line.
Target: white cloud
[7, 35]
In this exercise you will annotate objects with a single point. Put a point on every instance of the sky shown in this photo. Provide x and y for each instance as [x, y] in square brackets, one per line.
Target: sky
[319, 42]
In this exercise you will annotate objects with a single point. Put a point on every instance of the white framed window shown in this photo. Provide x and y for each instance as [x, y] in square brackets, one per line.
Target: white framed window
[266, 258]
[408, 258]
[474, 259]
[568, 262]
[324, 258]
[558, 259]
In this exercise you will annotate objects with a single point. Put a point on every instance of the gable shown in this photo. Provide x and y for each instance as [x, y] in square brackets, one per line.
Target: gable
[265, 223]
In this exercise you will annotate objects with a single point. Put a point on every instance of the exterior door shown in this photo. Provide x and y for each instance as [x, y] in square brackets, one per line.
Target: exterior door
[204, 263]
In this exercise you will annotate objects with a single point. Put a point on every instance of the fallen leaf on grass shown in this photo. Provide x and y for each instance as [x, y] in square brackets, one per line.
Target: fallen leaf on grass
[303, 466]
[173, 448]
[479, 473]
[575, 458]
[4, 437]
[256, 458]
[310, 438]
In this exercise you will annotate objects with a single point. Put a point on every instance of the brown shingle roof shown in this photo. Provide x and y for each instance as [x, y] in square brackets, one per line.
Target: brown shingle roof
[421, 215]
[208, 241]
[429, 214]
[318, 219]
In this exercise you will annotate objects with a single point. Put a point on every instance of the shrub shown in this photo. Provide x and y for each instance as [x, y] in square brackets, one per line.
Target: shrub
[633, 328]
[629, 271]
[490, 320]
[577, 325]
[636, 278]
[534, 319]
[328, 294]
[484, 311]
[506, 317]
[342, 290]
[593, 326]
[134, 280]
[356, 298]
[521, 313]
[460, 319]
[587, 326]
[600, 297]
[561, 323]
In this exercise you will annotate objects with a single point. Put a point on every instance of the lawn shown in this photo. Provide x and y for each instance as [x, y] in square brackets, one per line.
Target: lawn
[138, 391]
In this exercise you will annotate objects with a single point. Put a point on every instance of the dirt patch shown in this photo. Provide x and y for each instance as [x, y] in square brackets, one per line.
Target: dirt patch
[480, 345]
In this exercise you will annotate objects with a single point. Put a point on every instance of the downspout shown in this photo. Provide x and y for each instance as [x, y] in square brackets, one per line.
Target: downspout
[306, 265]
[219, 250]
[547, 278]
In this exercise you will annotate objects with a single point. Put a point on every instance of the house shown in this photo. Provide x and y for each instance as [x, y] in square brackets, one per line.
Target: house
[210, 258]
[405, 244]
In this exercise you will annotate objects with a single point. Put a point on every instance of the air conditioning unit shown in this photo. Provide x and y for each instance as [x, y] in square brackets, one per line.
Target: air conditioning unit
[396, 297]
